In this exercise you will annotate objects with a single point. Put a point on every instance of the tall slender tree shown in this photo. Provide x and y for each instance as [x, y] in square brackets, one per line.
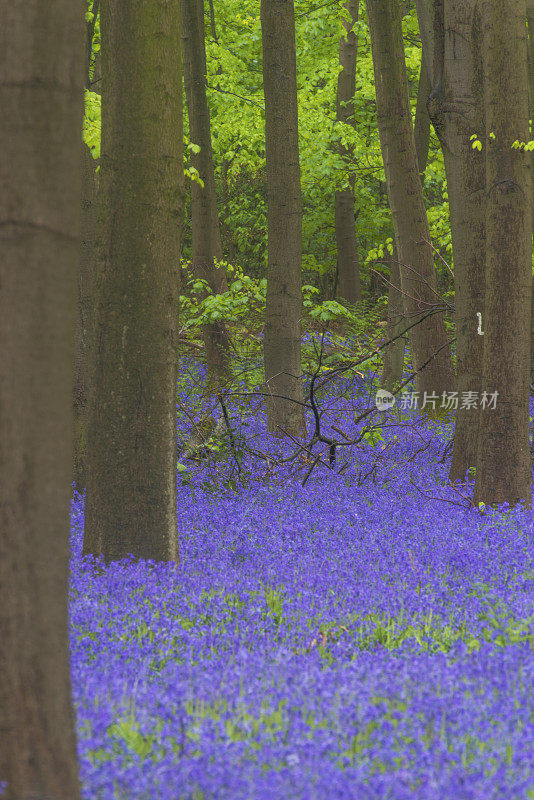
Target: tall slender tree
[463, 116]
[393, 362]
[347, 247]
[85, 278]
[428, 340]
[83, 319]
[131, 481]
[503, 470]
[282, 337]
[40, 171]
[206, 236]
[453, 47]
[421, 125]
[530, 22]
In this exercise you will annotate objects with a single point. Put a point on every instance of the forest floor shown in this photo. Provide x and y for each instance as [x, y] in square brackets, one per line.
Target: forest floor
[367, 635]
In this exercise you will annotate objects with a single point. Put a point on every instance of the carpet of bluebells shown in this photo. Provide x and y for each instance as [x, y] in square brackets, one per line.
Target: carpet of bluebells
[366, 635]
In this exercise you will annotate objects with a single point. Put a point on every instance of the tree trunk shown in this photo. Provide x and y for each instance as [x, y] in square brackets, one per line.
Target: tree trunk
[347, 246]
[425, 19]
[428, 341]
[282, 337]
[456, 108]
[393, 364]
[83, 321]
[226, 229]
[421, 128]
[131, 480]
[212, 21]
[503, 472]
[530, 21]
[85, 280]
[205, 229]
[40, 174]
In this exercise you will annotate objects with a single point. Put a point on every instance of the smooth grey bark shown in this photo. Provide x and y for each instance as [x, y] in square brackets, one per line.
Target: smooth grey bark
[464, 116]
[206, 236]
[428, 340]
[393, 364]
[131, 465]
[85, 281]
[226, 230]
[212, 21]
[503, 469]
[195, 83]
[282, 336]
[83, 319]
[456, 107]
[425, 19]
[348, 287]
[40, 174]
[530, 22]
[421, 128]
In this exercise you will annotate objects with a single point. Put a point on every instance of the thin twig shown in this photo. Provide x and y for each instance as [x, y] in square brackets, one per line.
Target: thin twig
[230, 432]
[240, 96]
[442, 499]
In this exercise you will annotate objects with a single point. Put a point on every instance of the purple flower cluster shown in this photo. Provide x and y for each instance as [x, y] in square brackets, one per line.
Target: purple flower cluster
[349, 638]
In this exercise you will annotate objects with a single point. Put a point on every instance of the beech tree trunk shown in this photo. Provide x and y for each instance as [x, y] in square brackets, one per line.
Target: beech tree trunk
[421, 128]
[456, 107]
[206, 236]
[393, 364]
[530, 21]
[83, 320]
[131, 480]
[41, 92]
[347, 246]
[428, 341]
[503, 470]
[85, 281]
[282, 336]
